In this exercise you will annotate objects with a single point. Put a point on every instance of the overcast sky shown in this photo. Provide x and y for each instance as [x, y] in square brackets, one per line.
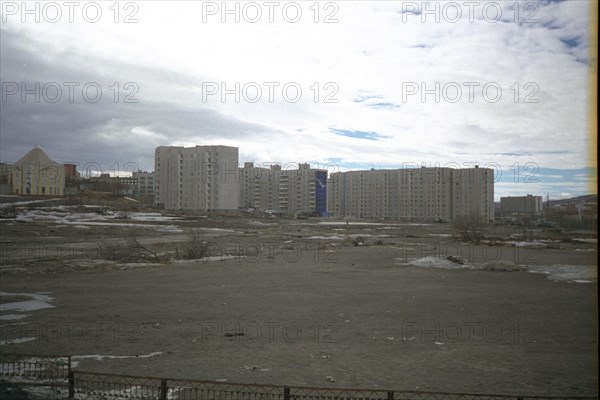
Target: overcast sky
[349, 85]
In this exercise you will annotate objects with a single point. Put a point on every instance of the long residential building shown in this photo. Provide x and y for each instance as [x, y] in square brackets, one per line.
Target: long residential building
[288, 191]
[415, 194]
[531, 205]
[200, 178]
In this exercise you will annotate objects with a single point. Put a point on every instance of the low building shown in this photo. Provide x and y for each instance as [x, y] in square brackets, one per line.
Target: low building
[35, 174]
[521, 205]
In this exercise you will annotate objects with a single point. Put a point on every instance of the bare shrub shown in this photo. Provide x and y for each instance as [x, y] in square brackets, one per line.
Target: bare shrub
[126, 251]
[194, 248]
[470, 227]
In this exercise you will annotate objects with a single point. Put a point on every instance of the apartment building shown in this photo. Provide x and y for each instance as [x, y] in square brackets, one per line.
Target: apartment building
[255, 189]
[145, 185]
[288, 191]
[412, 194]
[531, 205]
[200, 178]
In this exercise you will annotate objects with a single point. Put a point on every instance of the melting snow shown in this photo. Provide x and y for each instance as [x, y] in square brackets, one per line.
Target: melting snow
[17, 341]
[567, 273]
[39, 301]
[100, 357]
[556, 272]
[11, 317]
[432, 262]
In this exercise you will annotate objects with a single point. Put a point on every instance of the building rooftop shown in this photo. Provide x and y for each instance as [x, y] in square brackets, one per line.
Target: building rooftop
[36, 156]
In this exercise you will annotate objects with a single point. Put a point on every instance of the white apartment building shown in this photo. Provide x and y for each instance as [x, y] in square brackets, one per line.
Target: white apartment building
[421, 194]
[288, 191]
[200, 178]
[145, 184]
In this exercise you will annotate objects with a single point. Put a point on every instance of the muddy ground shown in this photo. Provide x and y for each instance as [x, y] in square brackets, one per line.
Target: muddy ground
[302, 302]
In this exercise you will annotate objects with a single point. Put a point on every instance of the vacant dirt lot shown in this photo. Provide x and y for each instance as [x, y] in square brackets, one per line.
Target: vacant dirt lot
[302, 302]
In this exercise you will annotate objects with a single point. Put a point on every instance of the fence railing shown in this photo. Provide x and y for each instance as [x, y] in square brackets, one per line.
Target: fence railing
[34, 369]
[55, 371]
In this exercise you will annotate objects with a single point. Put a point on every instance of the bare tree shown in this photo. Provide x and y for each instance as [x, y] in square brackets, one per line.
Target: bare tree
[470, 227]
[195, 247]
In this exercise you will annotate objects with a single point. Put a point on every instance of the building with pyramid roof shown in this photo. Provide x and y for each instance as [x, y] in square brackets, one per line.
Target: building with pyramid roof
[37, 175]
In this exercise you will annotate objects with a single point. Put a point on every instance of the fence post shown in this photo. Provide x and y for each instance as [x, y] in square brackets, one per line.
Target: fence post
[71, 383]
[286, 393]
[390, 395]
[163, 389]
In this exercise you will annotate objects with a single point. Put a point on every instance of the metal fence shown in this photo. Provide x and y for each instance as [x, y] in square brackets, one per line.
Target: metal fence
[54, 373]
[35, 370]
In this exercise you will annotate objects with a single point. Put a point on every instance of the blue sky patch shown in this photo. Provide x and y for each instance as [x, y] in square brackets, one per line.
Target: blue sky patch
[358, 134]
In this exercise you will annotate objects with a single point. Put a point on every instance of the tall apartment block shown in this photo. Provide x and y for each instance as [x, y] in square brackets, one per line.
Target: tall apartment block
[412, 194]
[200, 178]
[288, 191]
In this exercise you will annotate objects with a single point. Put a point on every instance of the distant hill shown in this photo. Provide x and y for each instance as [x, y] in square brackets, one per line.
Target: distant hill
[588, 198]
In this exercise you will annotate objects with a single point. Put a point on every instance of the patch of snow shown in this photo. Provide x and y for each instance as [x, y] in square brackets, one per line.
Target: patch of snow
[529, 244]
[592, 241]
[170, 229]
[217, 229]
[39, 302]
[567, 273]
[11, 317]
[348, 223]
[205, 259]
[17, 341]
[140, 216]
[433, 262]
[100, 357]
[24, 203]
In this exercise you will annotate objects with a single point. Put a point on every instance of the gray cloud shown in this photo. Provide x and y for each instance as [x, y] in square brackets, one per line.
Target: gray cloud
[103, 132]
